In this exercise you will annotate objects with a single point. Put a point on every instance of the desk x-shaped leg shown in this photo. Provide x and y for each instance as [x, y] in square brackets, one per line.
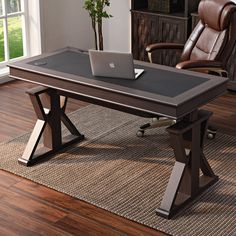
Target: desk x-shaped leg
[185, 182]
[50, 115]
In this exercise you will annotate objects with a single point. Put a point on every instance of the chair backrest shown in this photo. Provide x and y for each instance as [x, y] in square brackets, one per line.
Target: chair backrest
[214, 36]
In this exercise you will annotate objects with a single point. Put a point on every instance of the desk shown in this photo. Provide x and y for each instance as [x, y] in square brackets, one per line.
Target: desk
[161, 90]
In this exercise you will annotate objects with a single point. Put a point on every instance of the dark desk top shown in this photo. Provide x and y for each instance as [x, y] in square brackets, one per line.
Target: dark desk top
[166, 83]
[158, 89]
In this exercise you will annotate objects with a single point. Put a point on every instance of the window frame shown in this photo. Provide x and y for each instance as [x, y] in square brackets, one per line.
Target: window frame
[25, 31]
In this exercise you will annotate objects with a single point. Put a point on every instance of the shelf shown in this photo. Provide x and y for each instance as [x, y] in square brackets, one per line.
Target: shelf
[173, 15]
[187, 7]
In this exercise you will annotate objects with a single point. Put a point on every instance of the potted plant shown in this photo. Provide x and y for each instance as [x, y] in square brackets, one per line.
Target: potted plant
[96, 10]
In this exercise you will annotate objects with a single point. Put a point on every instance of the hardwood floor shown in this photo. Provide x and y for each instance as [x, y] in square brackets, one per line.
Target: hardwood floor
[27, 208]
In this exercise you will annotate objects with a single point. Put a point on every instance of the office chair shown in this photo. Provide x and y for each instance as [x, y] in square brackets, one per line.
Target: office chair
[207, 50]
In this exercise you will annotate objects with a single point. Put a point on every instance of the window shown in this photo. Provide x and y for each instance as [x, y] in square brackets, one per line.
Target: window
[13, 31]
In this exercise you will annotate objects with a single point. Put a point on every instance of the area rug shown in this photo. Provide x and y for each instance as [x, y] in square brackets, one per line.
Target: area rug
[117, 171]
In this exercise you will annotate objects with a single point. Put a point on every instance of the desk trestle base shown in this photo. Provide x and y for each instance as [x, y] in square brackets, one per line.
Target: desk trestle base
[185, 183]
[50, 115]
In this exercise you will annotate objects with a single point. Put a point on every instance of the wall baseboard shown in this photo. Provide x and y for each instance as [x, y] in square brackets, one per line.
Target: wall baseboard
[5, 79]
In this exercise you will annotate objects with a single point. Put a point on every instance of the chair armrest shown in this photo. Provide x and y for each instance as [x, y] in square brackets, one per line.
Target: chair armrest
[160, 46]
[198, 64]
[156, 46]
[204, 66]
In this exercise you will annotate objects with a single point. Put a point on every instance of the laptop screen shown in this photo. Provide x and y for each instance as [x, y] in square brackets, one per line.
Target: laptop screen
[113, 64]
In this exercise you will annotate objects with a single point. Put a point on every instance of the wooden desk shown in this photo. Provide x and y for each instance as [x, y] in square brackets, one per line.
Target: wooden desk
[160, 90]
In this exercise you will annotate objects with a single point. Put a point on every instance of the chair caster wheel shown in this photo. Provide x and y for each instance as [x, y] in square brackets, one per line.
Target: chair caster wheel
[155, 119]
[211, 132]
[211, 135]
[140, 133]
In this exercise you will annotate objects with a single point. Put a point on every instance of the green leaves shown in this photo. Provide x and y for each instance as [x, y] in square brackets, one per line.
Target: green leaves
[96, 9]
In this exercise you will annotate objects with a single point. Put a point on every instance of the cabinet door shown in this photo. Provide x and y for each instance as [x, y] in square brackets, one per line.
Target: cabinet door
[173, 30]
[195, 20]
[144, 32]
[231, 68]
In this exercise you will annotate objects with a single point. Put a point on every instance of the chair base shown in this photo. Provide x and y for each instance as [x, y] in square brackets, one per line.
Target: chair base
[163, 121]
[156, 123]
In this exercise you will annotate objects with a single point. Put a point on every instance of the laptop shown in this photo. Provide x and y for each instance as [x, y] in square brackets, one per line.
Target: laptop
[113, 64]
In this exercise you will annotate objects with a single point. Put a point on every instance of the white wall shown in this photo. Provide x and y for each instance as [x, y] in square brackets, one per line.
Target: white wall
[66, 23]
[34, 28]
[117, 30]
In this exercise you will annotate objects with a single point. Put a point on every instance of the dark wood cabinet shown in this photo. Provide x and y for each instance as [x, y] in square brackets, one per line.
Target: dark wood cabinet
[195, 19]
[150, 26]
[232, 71]
[144, 32]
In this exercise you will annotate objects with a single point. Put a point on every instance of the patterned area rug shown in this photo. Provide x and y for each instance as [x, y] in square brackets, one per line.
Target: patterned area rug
[117, 171]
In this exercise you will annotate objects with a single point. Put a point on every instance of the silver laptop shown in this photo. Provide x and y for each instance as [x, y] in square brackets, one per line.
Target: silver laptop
[113, 64]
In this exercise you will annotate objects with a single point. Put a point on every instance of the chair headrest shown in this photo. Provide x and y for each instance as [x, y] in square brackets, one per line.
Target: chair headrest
[216, 13]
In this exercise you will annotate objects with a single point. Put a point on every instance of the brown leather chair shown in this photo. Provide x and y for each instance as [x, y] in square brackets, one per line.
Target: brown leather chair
[211, 42]
[209, 46]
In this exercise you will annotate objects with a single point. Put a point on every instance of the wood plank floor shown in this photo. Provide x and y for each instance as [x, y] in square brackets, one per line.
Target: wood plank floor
[27, 208]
